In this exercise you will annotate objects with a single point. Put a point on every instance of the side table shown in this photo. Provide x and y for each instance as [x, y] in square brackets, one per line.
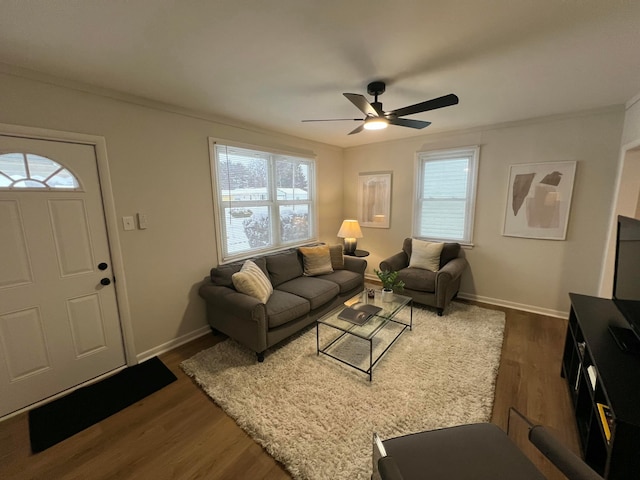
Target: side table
[358, 253]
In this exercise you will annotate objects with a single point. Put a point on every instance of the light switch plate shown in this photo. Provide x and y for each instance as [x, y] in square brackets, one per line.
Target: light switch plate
[142, 221]
[128, 223]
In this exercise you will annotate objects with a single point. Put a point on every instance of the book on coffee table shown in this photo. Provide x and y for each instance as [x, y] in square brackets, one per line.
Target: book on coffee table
[358, 313]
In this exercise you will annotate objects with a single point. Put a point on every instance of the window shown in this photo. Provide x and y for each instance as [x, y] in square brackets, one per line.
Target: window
[264, 200]
[446, 193]
[29, 171]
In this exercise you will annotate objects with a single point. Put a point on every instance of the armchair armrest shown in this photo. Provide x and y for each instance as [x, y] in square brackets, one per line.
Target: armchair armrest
[448, 281]
[451, 270]
[395, 262]
[567, 462]
[355, 264]
[564, 459]
[232, 302]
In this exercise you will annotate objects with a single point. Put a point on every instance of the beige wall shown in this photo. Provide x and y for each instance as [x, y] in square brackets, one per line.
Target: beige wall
[159, 164]
[526, 273]
[631, 131]
[627, 196]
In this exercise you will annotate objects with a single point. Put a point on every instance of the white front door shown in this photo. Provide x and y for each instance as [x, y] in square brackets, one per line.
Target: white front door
[59, 322]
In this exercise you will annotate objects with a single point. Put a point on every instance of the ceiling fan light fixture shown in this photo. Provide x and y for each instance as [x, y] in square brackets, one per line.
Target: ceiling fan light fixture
[376, 123]
[377, 119]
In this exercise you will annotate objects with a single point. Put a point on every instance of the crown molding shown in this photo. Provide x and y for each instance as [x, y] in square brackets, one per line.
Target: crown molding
[56, 81]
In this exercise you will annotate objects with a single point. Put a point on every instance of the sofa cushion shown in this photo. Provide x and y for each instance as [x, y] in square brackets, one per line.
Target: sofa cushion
[316, 260]
[418, 279]
[252, 281]
[425, 255]
[284, 266]
[346, 279]
[337, 257]
[284, 307]
[221, 275]
[315, 290]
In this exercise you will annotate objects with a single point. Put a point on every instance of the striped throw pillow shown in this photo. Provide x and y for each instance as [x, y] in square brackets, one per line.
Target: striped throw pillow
[317, 260]
[252, 281]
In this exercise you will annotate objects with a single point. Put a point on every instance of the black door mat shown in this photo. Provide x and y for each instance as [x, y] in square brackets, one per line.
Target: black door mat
[66, 416]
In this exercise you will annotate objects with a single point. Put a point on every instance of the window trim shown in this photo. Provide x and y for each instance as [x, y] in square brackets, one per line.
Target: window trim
[473, 153]
[216, 195]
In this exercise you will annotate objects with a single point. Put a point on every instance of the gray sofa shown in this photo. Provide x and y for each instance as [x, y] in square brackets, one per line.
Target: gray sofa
[297, 300]
[435, 289]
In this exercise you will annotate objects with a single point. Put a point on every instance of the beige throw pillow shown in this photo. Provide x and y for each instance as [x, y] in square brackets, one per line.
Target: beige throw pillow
[317, 260]
[425, 255]
[252, 281]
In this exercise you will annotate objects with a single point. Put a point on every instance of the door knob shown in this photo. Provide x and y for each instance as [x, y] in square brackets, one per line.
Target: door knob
[105, 281]
[102, 266]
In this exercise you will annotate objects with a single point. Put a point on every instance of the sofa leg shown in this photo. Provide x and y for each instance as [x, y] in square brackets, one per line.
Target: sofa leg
[260, 356]
[440, 310]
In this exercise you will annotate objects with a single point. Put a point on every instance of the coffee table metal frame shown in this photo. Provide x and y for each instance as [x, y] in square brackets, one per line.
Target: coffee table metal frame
[369, 329]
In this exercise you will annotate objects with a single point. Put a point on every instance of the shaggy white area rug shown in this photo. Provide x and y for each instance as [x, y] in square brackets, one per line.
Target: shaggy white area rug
[316, 416]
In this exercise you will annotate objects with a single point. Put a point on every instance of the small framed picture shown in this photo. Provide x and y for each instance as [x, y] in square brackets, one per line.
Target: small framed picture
[374, 199]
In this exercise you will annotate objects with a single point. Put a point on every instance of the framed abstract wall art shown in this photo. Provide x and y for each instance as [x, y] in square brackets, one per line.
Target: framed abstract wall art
[374, 199]
[539, 200]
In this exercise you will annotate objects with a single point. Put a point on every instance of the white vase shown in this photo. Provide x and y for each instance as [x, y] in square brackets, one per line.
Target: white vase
[387, 295]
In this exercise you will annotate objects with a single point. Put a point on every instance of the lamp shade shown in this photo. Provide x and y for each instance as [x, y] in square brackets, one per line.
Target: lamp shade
[350, 229]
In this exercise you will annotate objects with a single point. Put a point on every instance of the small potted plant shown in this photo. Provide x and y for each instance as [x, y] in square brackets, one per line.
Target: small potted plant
[390, 283]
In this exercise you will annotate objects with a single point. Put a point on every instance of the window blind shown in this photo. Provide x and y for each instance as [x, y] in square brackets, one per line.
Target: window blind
[446, 195]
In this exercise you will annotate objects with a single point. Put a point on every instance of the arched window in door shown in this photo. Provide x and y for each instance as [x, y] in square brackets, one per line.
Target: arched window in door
[30, 171]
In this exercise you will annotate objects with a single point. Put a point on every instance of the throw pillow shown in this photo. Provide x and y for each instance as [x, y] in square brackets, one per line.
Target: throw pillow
[425, 255]
[337, 258]
[252, 281]
[316, 260]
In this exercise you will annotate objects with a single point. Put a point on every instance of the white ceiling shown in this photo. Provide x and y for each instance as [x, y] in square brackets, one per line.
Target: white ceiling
[272, 63]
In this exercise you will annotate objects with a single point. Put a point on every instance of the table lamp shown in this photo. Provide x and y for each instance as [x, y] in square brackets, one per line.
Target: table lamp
[350, 231]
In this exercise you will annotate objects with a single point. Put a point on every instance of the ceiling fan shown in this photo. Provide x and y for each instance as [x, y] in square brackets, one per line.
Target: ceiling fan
[376, 118]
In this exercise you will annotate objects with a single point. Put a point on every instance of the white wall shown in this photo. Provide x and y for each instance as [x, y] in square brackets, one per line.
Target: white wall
[159, 165]
[526, 273]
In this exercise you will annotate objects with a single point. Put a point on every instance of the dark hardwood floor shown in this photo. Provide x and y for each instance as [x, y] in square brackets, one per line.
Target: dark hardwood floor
[179, 433]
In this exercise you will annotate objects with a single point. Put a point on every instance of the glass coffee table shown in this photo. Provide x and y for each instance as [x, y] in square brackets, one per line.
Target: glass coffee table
[384, 328]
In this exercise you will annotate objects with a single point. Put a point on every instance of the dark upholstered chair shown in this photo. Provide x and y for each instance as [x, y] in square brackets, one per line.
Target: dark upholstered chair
[479, 451]
[435, 289]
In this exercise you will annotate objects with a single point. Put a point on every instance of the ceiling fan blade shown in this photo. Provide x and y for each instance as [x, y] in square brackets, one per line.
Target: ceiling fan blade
[407, 122]
[440, 102]
[334, 120]
[357, 130]
[362, 104]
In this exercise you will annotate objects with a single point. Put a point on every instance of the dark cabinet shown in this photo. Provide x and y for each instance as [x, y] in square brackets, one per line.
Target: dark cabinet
[604, 383]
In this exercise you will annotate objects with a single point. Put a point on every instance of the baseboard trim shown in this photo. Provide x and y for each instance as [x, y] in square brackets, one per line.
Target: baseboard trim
[170, 345]
[500, 303]
[517, 306]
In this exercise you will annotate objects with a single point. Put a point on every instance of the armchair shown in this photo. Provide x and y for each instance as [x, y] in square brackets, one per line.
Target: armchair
[435, 289]
[480, 451]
